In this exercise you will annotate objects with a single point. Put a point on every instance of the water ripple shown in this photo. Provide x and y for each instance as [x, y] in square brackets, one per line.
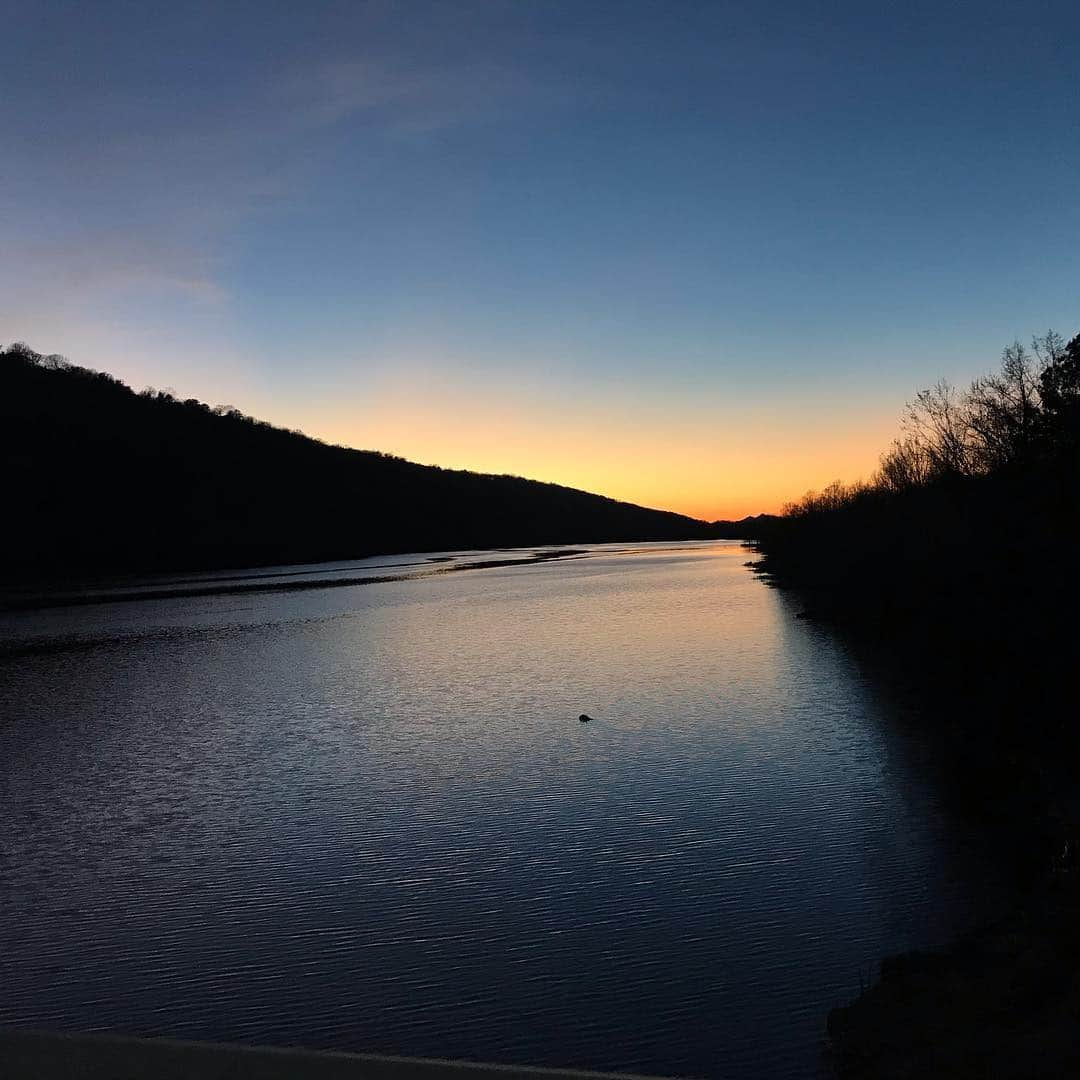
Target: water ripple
[369, 819]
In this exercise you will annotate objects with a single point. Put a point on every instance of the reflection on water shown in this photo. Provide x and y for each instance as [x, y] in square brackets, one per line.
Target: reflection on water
[368, 818]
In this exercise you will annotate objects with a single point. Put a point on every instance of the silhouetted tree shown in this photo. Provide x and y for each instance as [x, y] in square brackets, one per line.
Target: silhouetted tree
[963, 545]
[1059, 385]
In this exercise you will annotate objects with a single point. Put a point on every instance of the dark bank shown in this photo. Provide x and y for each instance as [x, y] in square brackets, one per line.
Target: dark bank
[101, 480]
[958, 559]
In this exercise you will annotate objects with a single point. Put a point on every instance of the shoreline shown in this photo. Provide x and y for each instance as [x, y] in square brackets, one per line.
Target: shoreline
[1002, 999]
[244, 581]
[435, 568]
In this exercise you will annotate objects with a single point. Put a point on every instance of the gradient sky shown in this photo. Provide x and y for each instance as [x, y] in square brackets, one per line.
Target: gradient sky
[695, 255]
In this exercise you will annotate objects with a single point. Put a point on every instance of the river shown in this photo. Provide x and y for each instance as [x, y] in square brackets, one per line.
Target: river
[367, 817]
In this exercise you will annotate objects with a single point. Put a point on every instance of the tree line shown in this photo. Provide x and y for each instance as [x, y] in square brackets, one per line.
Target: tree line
[100, 479]
[1024, 416]
[960, 552]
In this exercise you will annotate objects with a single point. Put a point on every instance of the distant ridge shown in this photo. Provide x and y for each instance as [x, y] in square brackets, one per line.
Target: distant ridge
[100, 479]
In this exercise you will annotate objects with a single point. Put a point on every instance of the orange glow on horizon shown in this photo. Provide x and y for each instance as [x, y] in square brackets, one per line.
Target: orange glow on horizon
[684, 459]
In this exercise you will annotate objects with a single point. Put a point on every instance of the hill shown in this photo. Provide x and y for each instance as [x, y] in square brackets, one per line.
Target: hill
[101, 480]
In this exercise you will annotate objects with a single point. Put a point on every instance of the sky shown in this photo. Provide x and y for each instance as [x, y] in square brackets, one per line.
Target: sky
[692, 255]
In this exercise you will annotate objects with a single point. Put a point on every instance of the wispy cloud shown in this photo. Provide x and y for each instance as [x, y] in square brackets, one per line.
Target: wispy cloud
[118, 192]
[393, 96]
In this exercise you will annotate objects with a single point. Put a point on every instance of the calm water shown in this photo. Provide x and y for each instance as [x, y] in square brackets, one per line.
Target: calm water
[368, 818]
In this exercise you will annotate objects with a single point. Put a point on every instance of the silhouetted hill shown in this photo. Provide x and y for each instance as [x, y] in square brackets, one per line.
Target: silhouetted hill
[747, 528]
[100, 479]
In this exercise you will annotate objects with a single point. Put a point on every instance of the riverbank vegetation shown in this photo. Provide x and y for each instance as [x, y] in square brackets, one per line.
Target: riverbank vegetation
[1002, 1002]
[959, 558]
[100, 479]
[962, 547]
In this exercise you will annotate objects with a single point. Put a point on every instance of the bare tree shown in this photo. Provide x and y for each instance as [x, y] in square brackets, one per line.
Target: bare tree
[906, 464]
[938, 421]
[1004, 409]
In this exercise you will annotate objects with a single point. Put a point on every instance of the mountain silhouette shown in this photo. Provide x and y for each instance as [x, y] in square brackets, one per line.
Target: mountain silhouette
[101, 479]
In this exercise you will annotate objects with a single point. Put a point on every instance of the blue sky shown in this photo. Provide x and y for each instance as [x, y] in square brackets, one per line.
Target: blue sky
[691, 254]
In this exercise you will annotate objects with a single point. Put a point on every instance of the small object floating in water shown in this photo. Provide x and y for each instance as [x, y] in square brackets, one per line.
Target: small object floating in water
[584, 718]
